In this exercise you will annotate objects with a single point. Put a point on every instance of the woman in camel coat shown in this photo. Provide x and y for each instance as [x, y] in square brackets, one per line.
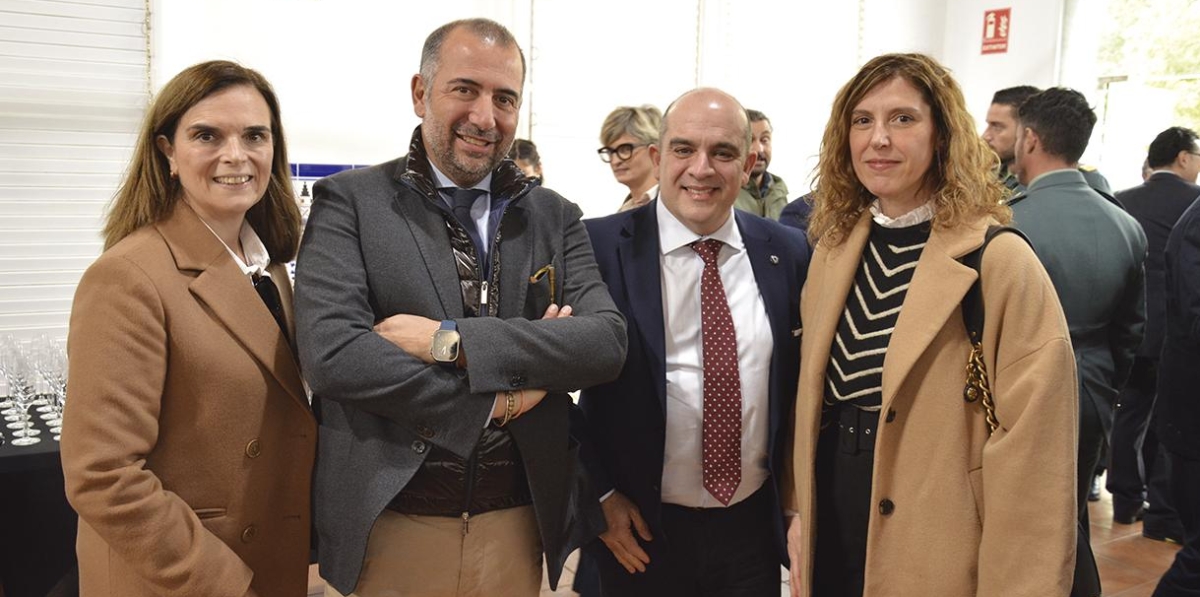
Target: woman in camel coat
[188, 442]
[898, 488]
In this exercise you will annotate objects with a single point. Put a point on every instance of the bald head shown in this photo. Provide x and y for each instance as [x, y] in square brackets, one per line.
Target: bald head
[703, 158]
[713, 99]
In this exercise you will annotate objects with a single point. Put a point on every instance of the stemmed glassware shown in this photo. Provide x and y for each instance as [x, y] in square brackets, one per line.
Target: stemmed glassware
[49, 359]
[17, 371]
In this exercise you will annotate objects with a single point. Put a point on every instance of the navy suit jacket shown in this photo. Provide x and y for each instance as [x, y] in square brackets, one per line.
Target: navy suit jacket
[1157, 205]
[1177, 407]
[626, 418]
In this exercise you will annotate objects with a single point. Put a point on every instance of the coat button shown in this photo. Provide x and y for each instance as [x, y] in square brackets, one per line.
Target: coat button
[886, 507]
[517, 381]
[418, 447]
[425, 432]
[249, 533]
[891, 415]
[253, 449]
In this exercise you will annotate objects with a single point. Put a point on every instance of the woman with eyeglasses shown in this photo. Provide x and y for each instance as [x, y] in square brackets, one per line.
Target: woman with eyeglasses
[625, 135]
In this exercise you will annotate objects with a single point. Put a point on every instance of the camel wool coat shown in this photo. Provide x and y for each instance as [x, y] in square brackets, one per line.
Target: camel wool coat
[955, 512]
[187, 443]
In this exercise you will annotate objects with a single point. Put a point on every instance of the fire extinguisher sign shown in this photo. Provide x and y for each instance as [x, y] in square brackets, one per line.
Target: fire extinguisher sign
[996, 25]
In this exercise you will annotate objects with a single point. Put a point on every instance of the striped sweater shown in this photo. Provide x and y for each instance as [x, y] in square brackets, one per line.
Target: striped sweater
[855, 372]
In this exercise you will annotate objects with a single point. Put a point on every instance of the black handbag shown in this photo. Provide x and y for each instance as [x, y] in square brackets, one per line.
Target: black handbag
[978, 389]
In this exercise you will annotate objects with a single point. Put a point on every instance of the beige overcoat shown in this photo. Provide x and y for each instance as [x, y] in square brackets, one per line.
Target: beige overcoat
[967, 514]
[188, 443]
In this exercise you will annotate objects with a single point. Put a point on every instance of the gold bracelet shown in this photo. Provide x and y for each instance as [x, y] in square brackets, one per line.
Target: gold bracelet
[521, 406]
[510, 406]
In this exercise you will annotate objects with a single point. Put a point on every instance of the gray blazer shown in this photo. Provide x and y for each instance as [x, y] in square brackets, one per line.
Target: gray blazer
[377, 245]
[1093, 252]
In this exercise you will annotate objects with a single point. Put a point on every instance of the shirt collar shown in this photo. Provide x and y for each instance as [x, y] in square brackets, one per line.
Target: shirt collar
[1045, 174]
[924, 213]
[252, 246]
[673, 235]
[444, 182]
[767, 181]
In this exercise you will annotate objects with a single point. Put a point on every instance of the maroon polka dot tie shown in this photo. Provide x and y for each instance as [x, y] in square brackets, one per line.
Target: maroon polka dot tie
[722, 430]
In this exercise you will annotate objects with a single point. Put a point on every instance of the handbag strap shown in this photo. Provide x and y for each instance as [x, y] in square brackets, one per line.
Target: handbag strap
[978, 387]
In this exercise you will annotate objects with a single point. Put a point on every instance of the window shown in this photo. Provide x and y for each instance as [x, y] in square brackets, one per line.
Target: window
[73, 87]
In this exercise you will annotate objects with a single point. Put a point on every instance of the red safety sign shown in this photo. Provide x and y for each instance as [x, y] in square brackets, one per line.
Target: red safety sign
[996, 25]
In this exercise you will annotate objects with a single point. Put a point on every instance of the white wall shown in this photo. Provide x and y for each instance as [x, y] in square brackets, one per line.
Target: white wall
[342, 68]
[1033, 56]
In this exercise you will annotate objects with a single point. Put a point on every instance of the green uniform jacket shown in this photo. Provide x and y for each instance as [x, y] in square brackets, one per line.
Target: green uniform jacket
[768, 206]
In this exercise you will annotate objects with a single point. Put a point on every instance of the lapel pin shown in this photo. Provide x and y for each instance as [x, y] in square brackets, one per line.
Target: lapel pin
[774, 260]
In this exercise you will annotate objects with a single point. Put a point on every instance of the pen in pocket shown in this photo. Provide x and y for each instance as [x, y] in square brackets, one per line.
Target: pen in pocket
[547, 270]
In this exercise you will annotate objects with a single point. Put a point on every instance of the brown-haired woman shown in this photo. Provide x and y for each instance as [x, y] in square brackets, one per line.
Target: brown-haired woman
[898, 486]
[188, 442]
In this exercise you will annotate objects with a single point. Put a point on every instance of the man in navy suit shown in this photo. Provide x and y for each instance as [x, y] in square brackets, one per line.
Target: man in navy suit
[1138, 467]
[1177, 406]
[685, 445]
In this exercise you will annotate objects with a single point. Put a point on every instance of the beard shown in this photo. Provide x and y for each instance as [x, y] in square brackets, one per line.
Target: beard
[760, 166]
[464, 170]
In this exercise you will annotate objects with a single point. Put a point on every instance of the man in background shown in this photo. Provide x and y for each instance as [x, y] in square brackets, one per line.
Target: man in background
[1001, 135]
[1093, 252]
[1137, 470]
[765, 194]
[1177, 408]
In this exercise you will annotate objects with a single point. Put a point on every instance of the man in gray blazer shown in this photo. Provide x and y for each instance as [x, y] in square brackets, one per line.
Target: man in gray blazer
[1093, 252]
[445, 305]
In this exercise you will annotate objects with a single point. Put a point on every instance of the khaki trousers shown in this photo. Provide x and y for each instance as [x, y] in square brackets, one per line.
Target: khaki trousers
[429, 556]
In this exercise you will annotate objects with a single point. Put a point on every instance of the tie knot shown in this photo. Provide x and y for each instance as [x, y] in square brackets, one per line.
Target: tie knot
[460, 198]
[708, 249]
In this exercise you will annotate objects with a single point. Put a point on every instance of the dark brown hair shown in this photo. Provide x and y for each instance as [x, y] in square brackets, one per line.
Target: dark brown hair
[148, 194]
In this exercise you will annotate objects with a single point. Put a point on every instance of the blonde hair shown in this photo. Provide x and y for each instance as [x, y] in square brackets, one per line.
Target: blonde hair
[642, 122]
[963, 175]
[149, 193]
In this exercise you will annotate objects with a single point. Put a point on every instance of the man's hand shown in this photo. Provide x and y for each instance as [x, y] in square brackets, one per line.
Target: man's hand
[794, 537]
[621, 514]
[412, 333]
[531, 397]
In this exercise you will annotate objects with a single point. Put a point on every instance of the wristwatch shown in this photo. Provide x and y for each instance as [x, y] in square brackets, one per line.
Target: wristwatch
[444, 348]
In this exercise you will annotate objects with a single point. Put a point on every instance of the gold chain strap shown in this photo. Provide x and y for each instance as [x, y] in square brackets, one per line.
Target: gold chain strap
[979, 387]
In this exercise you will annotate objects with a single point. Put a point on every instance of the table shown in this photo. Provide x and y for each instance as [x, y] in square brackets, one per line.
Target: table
[37, 525]
[39, 456]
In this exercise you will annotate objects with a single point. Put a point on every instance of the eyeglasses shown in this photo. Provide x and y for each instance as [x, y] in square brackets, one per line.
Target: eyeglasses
[623, 151]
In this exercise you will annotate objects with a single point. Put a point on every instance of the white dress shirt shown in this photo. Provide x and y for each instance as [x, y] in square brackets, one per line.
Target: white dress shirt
[257, 257]
[683, 478]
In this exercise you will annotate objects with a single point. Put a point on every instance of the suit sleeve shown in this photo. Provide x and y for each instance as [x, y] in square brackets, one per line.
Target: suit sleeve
[1029, 462]
[558, 355]
[345, 360]
[1128, 323]
[118, 351]
[1185, 287]
[342, 356]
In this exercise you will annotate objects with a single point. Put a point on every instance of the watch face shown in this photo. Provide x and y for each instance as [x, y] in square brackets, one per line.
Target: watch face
[445, 346]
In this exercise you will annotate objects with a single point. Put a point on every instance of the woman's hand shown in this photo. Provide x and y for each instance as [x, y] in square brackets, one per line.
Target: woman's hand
[793, 547]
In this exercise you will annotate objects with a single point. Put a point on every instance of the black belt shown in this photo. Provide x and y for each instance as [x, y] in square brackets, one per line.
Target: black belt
[856, 428]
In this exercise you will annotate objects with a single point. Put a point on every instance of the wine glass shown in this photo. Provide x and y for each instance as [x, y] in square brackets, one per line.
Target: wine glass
[14, 362]
[50, 361]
